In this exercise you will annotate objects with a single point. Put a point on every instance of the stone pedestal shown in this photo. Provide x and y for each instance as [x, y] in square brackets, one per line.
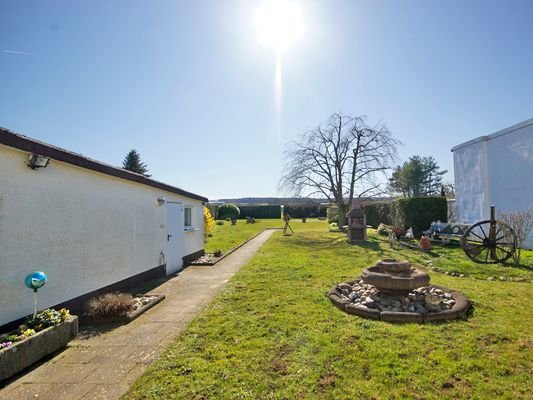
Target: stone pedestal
[356, 223]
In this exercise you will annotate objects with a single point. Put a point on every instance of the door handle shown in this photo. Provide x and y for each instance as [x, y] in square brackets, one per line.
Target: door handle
[168, 237]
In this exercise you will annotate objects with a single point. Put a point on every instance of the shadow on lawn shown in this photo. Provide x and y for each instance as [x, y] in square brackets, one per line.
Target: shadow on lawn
[330, 243]
[302, 240]
[524, 267]
[370, 245]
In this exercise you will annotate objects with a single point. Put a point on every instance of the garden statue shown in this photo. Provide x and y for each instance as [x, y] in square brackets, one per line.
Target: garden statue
[287, 218]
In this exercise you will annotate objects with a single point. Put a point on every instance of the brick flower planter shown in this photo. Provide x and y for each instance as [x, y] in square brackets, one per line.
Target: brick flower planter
[21, 355]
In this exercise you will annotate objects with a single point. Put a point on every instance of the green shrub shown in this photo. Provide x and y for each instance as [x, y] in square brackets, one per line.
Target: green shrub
[332, 214]
[12, 338]
[384, 230]
[228, 211]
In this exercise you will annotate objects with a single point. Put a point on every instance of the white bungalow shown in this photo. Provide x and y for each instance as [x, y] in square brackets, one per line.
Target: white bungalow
[495, 169]
[91, 227]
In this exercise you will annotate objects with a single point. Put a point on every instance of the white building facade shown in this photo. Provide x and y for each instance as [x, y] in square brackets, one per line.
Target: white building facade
[495, 170]
[89, 226]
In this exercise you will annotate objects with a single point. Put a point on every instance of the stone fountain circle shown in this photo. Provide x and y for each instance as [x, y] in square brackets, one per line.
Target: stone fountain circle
[396, 291]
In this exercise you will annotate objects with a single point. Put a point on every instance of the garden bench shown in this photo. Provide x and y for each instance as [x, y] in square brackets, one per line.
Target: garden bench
[446, 233]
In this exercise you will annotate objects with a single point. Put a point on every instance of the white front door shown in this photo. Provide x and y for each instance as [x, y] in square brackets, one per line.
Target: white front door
[174, 250]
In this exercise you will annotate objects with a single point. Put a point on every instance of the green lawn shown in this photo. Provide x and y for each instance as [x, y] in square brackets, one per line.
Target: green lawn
[454, 260]
[227, 236]
[273, 333]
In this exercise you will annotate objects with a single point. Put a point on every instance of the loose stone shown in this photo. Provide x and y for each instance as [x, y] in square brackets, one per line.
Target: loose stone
[345, 286]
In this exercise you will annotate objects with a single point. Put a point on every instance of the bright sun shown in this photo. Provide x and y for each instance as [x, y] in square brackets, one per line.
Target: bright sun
[279, 24]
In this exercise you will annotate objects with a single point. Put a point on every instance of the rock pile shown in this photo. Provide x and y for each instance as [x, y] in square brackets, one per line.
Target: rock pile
[422, 300]
[207, 259]
[396, 291]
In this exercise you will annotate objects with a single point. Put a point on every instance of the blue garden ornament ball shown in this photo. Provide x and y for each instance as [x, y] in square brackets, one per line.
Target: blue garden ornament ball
[35, 280]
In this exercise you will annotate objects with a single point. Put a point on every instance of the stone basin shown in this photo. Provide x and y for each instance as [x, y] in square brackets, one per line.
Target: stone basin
[401, 282]
[392, 265]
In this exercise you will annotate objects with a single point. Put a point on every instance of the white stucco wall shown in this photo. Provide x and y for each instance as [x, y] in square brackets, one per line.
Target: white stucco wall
[84, 229]
[497, 170]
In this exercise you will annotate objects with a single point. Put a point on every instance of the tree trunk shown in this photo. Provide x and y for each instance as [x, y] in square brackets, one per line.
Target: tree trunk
[516, 255]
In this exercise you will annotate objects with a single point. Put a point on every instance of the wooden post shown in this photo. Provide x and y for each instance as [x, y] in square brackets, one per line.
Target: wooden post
[492, 233]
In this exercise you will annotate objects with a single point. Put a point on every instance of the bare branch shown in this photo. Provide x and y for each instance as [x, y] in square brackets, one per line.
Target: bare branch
[340, 159]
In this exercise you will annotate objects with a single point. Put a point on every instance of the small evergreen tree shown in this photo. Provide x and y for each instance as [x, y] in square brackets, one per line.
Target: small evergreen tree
[420, 176]
[132, 162]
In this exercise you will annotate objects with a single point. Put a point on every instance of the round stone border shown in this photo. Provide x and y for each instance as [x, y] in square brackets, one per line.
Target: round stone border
[459, 310]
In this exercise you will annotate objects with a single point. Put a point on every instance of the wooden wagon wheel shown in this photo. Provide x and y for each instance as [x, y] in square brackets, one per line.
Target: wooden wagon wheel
[489, 241]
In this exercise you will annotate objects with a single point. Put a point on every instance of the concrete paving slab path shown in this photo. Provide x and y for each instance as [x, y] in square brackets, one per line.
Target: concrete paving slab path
[103, 365]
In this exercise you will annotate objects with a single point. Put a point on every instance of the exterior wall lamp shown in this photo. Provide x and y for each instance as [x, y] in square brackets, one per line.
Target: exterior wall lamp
[161, 201]
[36, 161]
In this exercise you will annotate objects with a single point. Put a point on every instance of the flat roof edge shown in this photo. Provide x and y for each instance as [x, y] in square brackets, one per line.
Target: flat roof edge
[494, 135]
[22, 142]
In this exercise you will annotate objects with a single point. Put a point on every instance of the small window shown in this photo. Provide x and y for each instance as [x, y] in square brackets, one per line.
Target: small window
[188, 217]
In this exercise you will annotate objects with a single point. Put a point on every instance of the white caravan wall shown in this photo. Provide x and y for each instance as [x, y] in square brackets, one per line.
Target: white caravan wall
[496, 171]
[84, 229]
[470, 183]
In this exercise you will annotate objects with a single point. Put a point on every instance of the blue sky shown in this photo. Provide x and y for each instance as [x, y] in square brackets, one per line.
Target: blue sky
[189, 86]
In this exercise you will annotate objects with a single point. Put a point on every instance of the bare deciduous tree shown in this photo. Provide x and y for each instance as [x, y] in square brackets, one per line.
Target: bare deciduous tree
[522, 223]
[341, 160]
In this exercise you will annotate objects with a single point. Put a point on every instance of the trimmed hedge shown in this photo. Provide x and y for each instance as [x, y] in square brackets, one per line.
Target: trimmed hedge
[419, 212]
[305, 211]
[378, 213]
[410, 212]
[261, 212]
[267, 212]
